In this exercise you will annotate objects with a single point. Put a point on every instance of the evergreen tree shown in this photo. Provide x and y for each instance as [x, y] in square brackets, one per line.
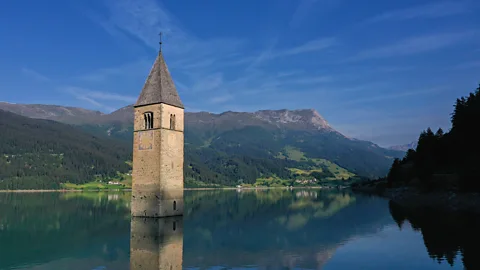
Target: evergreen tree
[456, 152]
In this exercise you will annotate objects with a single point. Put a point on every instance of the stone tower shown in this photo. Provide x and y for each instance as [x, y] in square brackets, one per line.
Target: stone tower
[157, 177]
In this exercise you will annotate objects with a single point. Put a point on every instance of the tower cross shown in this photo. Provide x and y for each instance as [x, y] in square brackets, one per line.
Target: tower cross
[160, 34]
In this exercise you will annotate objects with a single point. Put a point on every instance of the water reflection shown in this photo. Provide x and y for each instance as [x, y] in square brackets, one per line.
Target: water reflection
[156, 243]
[63, 231]
[275, 229]
[263, 229]
[446, 235]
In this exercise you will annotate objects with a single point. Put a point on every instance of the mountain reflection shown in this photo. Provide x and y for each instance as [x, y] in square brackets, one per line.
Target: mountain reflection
[156, 243]
[263, 229]
[446, 235]
[275, 229]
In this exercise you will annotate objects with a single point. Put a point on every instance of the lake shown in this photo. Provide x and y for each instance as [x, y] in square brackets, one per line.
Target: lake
[230, 229]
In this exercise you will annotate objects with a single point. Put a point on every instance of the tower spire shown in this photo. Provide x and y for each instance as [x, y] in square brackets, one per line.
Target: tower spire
[159, 86]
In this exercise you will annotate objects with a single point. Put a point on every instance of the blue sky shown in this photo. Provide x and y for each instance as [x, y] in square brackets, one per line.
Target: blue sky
[376, 70]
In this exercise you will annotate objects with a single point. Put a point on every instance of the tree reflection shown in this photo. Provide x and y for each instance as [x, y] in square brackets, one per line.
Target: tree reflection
[445, 235]
[277, 229]
[42, 227]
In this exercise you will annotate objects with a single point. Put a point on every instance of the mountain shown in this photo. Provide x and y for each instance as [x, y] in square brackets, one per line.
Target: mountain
[233, 147]
[70, 115]
[404, 147]
[43, 154]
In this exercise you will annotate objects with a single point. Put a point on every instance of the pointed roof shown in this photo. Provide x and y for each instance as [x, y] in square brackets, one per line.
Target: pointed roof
[159, 86]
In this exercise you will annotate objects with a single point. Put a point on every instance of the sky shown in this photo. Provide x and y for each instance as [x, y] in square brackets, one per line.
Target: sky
[376, 70]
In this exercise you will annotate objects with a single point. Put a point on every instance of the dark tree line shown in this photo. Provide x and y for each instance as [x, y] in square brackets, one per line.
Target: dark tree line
[445, 160]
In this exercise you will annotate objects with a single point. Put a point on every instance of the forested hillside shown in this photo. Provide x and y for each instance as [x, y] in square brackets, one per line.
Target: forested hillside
[236, 146]
[41, 154]
[273, 148]
[445, 160]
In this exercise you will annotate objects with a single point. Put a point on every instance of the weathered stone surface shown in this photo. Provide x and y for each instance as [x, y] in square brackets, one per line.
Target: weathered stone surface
[156, 243]
[157, 177]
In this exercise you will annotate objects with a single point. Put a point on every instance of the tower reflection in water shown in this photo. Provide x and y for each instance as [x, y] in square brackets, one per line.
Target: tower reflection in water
[156, 243]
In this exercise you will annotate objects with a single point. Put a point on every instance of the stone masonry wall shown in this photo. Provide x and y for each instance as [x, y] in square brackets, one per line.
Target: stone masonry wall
[157, 177]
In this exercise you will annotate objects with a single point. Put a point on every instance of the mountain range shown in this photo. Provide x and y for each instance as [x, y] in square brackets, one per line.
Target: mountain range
[233, 147]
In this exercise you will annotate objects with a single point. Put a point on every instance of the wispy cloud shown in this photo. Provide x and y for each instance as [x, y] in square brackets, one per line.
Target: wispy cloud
[145, 19]
[199, 63]
[467, 65]
[396, 95]
[311, 46]
[221, 99]
[96, 98]
[129, 69]
[289, 73]
[415, 45]
[432, 10]
[309, 80]
[302, 11]
[35, 75]
[208, 83]
[306, 7]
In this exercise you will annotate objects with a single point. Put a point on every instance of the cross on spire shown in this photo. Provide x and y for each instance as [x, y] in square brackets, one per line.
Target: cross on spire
[160, 34]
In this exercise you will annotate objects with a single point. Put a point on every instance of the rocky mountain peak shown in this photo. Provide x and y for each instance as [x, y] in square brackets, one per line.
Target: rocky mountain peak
[308, 118]
[404, 147]
[303, 119]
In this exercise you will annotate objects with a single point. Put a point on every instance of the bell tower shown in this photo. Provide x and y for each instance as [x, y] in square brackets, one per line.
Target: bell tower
[158, 150]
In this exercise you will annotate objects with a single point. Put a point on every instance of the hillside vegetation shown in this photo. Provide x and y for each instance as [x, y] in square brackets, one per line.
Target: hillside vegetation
[268, 148]
[42, 154]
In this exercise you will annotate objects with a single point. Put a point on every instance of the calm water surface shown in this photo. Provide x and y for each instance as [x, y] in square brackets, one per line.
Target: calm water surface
[274, 229]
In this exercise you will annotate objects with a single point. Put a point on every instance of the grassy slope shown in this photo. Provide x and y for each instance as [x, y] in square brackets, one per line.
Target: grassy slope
[322, 165]
[288, 152]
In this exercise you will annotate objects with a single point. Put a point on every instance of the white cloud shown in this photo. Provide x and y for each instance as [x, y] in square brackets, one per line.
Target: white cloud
[94, 97]
[145, 19]
[432, 10]
[396, 95]
[311, 46]
[415, 45]
[137, 68]
[208, 83]
[288, 73]
[307, 7]
[221, 99]
[35, 75]
[309, 80]
[467, 65]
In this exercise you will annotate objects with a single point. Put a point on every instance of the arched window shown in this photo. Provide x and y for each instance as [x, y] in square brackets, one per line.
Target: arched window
[172, 121]
[148, 119]
[174, 205]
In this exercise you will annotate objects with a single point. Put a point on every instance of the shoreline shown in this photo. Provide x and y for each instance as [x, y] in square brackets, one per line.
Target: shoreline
[412, 198]
[129, 190]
